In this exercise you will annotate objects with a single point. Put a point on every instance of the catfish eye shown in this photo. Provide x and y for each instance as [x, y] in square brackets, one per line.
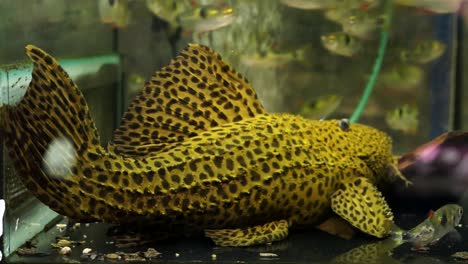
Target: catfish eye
[344, 124]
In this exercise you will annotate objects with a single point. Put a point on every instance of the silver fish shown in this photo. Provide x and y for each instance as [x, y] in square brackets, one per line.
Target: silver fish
[341, 43]
[436, 226]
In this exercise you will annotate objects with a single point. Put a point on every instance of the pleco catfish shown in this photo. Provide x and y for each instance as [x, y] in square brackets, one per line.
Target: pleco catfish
[196, 151]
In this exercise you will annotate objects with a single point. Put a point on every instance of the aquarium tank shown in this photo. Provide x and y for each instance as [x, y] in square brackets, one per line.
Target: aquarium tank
[292, 131]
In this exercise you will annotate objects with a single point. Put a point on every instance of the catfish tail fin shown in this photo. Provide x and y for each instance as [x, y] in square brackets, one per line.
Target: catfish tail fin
[53, 109]
[54, 102]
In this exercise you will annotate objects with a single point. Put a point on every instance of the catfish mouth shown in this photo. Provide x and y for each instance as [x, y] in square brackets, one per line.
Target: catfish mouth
[370, 162]
[383, 172]
[393, 173]
[377, 175]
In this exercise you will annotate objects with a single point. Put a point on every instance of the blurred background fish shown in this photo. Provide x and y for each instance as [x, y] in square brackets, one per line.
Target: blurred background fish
[458, 7]
[207, 18]
[361, 4]
[341, 43]
[168, 10]
[423, 52]
[272, 59]
[337, 15]
[325, 4]
[320, 107]
[135, 82]
[114, 12]
[190, 16]
[404, 118]
[362, 24]
[435, 6]
[310, 4]
[401, 76]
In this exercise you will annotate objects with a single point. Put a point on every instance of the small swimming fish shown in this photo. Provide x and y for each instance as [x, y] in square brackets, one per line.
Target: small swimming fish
[362, 24]
[404, 118]
[337, 15]
[114, 12]
[272, 59]
[437, 225]
[401, 76]
[435, 6]
[341, 43]
[359, 4]
[340, 12]
[320, 107]
[310, 4]
[135, 83]
[191, 17]
[207, 18]
[423, 52]
[168, 10]
[136, 78]
[325, 4]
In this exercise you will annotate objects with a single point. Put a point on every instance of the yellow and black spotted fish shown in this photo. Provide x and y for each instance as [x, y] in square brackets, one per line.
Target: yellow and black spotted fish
[196, 151]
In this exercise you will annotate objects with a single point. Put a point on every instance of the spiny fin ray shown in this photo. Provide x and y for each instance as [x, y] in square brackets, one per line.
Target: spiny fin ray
[195, 92]
[360, 203]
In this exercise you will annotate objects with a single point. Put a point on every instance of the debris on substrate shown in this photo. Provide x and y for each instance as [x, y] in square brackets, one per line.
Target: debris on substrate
[123, 256]
[30, 250]
[65, 250]
[86, 251]
[66, 242]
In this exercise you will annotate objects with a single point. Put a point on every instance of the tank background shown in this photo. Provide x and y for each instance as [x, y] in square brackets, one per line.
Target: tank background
[263, 24]
[463, 76]
[463, 94]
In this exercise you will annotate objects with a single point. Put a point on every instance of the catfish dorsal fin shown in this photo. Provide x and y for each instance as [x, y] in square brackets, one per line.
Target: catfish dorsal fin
[195, 92]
